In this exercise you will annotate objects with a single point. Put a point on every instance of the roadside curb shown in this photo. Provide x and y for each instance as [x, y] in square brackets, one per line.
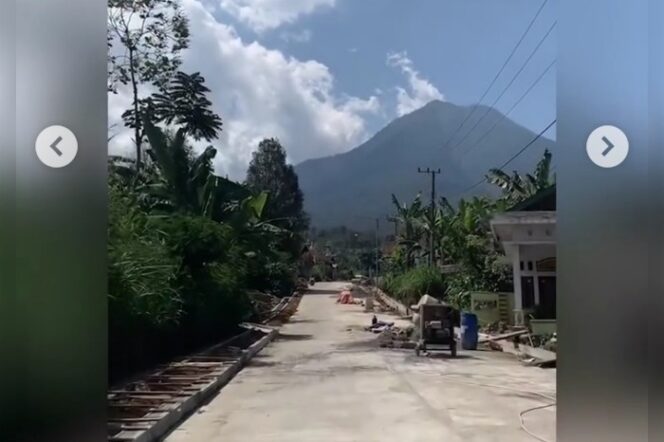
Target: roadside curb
[386, 299]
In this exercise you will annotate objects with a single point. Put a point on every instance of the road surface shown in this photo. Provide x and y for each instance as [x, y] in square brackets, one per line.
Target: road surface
[326, 380]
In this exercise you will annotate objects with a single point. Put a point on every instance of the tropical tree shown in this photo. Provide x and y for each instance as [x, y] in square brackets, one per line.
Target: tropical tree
[518, 187]
[410, 235]
[268, 172]
[145, 38]
[184, 181]
[183, 102]
[468, 243]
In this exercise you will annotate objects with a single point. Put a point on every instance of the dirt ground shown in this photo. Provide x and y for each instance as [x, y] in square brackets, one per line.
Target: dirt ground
[325, 379]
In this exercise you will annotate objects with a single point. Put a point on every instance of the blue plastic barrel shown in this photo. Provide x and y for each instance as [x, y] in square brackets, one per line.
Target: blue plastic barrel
[469, 331]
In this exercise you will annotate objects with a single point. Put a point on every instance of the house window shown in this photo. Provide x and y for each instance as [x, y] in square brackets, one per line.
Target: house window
[546, 265]
[530, 266]
[527, 292]
[521, 265]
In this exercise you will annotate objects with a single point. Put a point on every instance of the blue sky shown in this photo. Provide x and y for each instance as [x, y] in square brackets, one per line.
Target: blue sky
[316, 73]
[457, 45]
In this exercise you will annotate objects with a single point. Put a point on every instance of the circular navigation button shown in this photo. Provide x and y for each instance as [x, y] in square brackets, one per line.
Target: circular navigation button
[56, 146]
[607, 146]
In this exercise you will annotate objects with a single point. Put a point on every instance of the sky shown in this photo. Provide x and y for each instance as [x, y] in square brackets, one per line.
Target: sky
[323, 76]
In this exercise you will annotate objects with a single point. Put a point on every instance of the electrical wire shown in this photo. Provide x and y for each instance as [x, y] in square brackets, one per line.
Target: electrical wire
[522, 150]
[505, 115]
[500, 71]
[523, 66]
[523, 425]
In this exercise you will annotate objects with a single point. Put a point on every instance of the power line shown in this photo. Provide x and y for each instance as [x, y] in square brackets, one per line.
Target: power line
[522, 150]
[504, 116]
[489, 108]
[500, 71]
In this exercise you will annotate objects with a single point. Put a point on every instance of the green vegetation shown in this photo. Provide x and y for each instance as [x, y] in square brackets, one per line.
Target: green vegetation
[145, 39]
[352, 252]
[409, 286]
[185, 246]
[462, 238]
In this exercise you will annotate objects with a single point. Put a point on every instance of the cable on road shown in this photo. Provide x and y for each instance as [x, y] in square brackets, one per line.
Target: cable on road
[523, 425]
[517, 390]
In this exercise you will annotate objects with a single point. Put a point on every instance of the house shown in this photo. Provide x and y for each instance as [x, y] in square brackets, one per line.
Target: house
[527, 233]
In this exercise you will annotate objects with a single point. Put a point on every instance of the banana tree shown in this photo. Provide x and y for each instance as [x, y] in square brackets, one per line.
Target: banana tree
[410, 236]
[467, 242]
[518, 187]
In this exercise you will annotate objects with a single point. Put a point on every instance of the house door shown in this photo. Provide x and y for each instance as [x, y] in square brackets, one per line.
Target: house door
[547, 295]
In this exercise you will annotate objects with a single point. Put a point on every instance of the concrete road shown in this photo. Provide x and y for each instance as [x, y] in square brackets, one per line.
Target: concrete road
[326, 380]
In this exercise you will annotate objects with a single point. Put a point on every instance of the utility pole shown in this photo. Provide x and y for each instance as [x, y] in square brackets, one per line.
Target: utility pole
[394, 220]
[432, 208]
[377, 249]
[377, 257]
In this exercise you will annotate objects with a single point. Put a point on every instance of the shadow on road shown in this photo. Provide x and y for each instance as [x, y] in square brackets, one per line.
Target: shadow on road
[320, 292]
[293, 337]
[254, 363]
[294, 320]
[444, 355]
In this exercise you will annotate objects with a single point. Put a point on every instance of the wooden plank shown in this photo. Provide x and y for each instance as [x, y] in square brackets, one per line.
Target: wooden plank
[136, 419]
[503, 336]
[150, 392]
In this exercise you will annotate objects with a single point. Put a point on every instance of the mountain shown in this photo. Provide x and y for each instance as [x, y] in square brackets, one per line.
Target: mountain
[347, 188]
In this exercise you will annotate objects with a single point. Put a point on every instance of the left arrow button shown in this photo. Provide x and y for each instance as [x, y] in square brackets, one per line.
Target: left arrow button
[56, 146]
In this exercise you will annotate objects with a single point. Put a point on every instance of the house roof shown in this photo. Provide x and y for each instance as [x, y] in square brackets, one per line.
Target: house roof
[544, 200]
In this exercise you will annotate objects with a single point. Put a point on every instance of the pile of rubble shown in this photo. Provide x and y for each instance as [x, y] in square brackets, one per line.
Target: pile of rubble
[269, 308]
[396, 337]
[391, 336]
[263, 303]
[547, 342]
[497, 327]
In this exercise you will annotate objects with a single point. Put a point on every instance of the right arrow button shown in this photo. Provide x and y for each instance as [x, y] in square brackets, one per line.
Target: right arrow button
[607, 146]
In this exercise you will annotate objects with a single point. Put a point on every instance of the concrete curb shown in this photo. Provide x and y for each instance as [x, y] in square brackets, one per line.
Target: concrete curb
[177, 415]
[387, 299]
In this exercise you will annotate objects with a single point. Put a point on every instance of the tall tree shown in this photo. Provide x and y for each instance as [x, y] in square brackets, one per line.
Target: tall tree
[269, 172]
[145, 38]
[183, 102]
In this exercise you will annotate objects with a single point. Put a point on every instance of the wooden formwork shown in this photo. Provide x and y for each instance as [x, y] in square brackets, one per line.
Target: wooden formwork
[147, 409]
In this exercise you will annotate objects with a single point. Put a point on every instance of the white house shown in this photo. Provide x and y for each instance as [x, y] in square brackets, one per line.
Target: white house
[527, 233]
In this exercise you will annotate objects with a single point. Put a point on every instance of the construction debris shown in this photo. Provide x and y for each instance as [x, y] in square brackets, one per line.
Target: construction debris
[345, 297]
[396, 337]
[273, 310]
[378, 326]
[494, 338]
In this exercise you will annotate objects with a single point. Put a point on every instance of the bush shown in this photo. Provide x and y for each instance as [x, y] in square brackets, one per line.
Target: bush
[142, 273]
[321, 272]
[410, 286]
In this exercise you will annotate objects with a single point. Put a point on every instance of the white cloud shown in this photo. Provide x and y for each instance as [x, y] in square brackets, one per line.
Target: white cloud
[420, 92]
[262, 15]
[260, 92]
[297, 37]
